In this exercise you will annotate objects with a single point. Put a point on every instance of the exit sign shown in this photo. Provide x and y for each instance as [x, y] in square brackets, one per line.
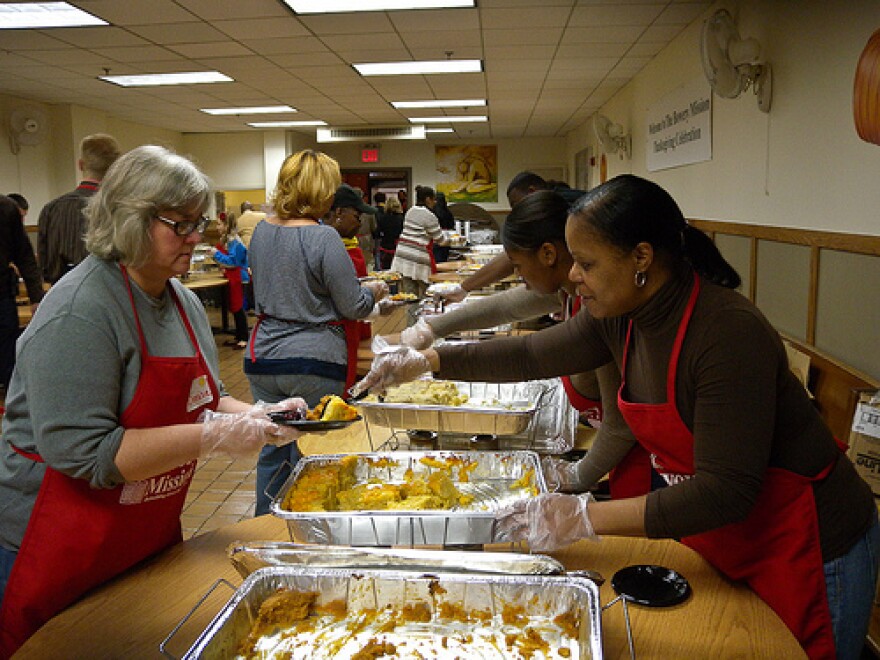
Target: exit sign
[369, 155]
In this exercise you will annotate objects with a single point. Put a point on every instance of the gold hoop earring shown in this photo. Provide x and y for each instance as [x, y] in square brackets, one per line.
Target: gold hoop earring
[641, 278]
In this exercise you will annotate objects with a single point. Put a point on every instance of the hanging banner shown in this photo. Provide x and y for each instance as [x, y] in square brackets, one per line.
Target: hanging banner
[680, 127]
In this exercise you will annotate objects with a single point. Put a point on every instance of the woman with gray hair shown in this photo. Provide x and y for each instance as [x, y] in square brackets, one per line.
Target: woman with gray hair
[115, 396]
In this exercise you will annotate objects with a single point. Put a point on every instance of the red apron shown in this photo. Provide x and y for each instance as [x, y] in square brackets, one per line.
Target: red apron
[235, 288]
[79, 537]
[358, 259]
[632, 476]
[776, 548]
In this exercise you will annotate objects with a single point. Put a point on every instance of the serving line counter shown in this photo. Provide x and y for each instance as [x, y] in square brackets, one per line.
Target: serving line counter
[130, 616]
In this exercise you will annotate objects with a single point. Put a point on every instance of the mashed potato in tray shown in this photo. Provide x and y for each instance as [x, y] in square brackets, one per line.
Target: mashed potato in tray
[430, 392]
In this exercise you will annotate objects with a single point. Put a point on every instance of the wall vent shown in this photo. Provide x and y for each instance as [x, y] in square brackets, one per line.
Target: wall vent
[371, 133]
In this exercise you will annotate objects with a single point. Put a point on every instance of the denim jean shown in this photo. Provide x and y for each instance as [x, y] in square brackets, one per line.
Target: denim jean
[7, 557]
[851, 582]
[275, 463]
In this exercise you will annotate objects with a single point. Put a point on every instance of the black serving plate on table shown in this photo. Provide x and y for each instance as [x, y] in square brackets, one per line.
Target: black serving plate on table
[309, 425]
[653, 586]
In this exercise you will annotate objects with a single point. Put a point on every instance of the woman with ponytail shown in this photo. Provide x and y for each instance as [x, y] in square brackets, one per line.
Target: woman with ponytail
[757, 484]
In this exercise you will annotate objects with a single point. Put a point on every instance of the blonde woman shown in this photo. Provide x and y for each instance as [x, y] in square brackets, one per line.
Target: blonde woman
[304, 284]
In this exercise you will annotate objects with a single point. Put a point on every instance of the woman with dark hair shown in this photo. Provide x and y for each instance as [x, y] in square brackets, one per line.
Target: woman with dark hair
[413, 258]
[757, 484]
[447, 223]
[389, 226]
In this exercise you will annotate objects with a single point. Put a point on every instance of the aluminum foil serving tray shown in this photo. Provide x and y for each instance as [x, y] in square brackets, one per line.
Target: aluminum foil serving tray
[538, 602]
[490, 482]
[252, 556]
[492, 408]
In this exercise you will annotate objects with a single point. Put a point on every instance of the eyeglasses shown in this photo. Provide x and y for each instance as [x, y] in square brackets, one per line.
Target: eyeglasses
[186, 227]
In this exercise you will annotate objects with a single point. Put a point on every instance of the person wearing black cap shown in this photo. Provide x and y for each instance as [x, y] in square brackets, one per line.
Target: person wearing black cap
[345, 217]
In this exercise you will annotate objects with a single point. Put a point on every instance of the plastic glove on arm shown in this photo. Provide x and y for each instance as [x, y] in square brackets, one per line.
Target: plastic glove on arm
[547, 522]
[243, 434]
[418, 336]
[391, 366]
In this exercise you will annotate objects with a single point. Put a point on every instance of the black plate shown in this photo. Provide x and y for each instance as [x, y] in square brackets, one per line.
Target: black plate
[313, 426]
[654, 586]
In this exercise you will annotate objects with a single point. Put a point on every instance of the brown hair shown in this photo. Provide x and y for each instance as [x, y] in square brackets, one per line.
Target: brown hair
[97, 153]
[306, 184]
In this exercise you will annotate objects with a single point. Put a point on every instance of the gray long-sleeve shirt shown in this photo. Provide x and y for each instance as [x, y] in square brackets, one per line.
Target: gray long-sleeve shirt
[78, 365]
[303, 280]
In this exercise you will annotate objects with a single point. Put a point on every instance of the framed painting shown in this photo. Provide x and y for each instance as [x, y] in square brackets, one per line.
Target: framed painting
[467, 173]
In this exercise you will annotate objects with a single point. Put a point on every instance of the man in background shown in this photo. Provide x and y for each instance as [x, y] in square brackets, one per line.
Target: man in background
[62, 225]
[247, 221]
[15, 248]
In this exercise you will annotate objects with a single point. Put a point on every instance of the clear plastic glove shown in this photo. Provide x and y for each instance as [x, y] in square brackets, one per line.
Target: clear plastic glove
[453, 294]
[418, 336]
[293, 403]
[391, 366]
[547, 522]
[378, 288]
[562, 475]
[243, 434]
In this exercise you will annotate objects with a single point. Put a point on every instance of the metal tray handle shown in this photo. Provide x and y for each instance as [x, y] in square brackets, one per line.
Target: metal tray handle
[180, 624]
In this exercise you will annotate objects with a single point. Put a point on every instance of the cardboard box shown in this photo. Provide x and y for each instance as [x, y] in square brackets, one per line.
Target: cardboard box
[864, 440]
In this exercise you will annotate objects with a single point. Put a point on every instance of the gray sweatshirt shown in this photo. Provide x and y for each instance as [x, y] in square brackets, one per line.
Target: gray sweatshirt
[77, 369]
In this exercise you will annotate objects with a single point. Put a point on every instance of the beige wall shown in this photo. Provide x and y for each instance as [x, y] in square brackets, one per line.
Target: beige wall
[802, 165]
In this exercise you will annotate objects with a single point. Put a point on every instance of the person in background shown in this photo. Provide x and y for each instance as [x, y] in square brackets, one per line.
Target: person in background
[413, 258]
[379, 200]
[446, 222]
[15, 248]
[247, 221]
[520, 187]
[115, 396]
[757, 483]
[62, 226]
[390, 225]
[21, 203]
[232, 257]
[366, 231]
[402, 198]
[305, 285]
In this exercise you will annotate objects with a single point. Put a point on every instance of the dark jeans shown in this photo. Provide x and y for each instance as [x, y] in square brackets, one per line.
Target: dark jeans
[9, 332]
[241, 325]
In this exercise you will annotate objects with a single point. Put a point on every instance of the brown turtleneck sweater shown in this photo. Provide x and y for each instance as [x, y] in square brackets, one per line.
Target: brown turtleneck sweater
[734, 391]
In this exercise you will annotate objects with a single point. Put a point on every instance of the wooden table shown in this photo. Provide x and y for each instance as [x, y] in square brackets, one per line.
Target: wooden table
[207, 282]
[130, 616]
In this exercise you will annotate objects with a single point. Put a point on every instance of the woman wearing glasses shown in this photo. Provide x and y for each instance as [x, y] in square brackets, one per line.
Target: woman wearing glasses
[115, 395]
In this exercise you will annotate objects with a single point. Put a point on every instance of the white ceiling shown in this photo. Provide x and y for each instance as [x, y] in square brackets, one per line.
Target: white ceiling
[548, 65]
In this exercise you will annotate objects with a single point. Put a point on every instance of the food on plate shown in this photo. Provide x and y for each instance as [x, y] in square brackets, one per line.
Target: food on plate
[385, 275]
[294, 624]
[332, 408]
[334, 487]
[432, 392]
[403, 297]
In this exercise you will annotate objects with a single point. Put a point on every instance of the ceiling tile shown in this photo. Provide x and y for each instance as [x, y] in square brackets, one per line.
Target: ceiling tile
[179, 33]
[97, 37]
[262, 29]
[368, 22]
[216, 49]
[536, 17]
[427, 20]
[607, 15]
[211, 10]
[523, 36]
[137, 13]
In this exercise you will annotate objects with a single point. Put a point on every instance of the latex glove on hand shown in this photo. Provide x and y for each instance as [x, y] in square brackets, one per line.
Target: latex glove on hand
[547, 522]
[378, 288]
[293, 403]
[454, 294]
[418, 336]
[563, 476]
[243, 434]
[391, 366]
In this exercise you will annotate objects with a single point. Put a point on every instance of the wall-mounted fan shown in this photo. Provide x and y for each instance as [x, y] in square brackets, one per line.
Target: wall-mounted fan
[26, 126]
[611, 136]
[731, 64]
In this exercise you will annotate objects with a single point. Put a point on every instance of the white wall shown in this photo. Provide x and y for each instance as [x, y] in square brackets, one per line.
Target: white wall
[44, 171]
[803, 164]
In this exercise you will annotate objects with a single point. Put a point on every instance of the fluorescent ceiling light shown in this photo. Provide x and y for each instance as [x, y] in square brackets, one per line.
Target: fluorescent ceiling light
[464, 103]
[439, 130]
[23, 15]
[286, 124]
[448, 120]
[255, 110]
[415, 68]
[334, 6]
[156, 79]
